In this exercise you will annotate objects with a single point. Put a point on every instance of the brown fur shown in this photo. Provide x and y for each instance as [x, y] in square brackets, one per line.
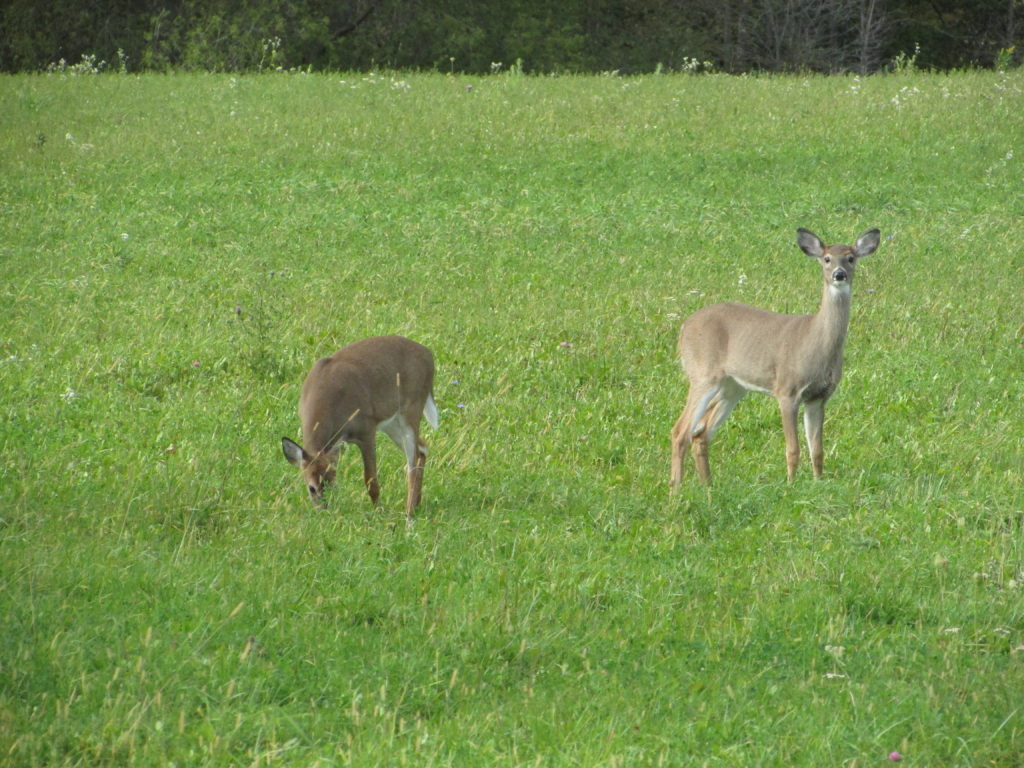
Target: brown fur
[729, 349]
[384, 382]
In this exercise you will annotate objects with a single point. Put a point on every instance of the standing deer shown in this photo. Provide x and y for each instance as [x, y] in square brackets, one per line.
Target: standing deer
[730, 349]
[383, 383]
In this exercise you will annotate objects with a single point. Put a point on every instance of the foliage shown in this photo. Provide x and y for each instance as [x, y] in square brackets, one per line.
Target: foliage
[177, 249]
[1004, 59]
[906, 62]
[627, 36]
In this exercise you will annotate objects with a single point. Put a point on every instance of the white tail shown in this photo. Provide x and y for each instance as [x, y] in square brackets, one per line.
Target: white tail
[383, 383]
[730, 349]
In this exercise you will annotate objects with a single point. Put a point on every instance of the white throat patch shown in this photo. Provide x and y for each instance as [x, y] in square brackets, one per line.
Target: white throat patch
[841, 289]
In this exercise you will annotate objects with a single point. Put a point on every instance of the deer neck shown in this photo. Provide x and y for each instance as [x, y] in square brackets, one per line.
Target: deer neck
[832, 320]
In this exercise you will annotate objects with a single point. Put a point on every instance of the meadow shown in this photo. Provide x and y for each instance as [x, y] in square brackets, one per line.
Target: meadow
[178, 249]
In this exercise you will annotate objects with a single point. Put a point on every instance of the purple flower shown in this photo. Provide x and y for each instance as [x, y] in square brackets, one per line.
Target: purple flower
[469, 87]
[195, 363]
[895, 756]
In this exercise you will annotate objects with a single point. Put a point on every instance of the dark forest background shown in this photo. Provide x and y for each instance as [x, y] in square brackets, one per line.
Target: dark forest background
[476, 36]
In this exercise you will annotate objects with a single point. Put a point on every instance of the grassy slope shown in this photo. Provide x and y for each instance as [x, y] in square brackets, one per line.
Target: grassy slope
[177, 250]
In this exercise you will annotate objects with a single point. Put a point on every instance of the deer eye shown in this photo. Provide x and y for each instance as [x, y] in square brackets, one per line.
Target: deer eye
[852, 259]
[312, 490]
[827, 259]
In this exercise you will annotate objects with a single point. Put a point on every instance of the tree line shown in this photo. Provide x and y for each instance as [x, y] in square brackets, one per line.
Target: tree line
[479, 36]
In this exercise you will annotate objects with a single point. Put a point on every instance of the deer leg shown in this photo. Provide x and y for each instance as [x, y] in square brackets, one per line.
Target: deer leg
[415, 459]
[407, 438]
[714, 408]
[681, 437]
[701, 434]
[688, 429]
[788, 407]
[416, 478]
[724, 400]
[814, 418]
[368, 448]
[699, 447]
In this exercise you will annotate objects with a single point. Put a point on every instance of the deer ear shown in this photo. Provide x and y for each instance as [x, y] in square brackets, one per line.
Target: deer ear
[294, 452]
[867, 243]
[810, 243]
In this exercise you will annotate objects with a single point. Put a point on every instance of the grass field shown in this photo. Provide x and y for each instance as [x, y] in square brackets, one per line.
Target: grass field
[177, 250]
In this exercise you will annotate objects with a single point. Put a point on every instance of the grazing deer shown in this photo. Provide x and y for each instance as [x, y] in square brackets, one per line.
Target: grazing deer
[383, 383]
[730, 349]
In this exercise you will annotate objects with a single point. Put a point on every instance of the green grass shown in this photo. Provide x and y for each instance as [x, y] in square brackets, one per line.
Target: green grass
[176, 252]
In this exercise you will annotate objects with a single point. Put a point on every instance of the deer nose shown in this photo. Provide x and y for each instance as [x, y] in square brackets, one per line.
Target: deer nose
[839, 275]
